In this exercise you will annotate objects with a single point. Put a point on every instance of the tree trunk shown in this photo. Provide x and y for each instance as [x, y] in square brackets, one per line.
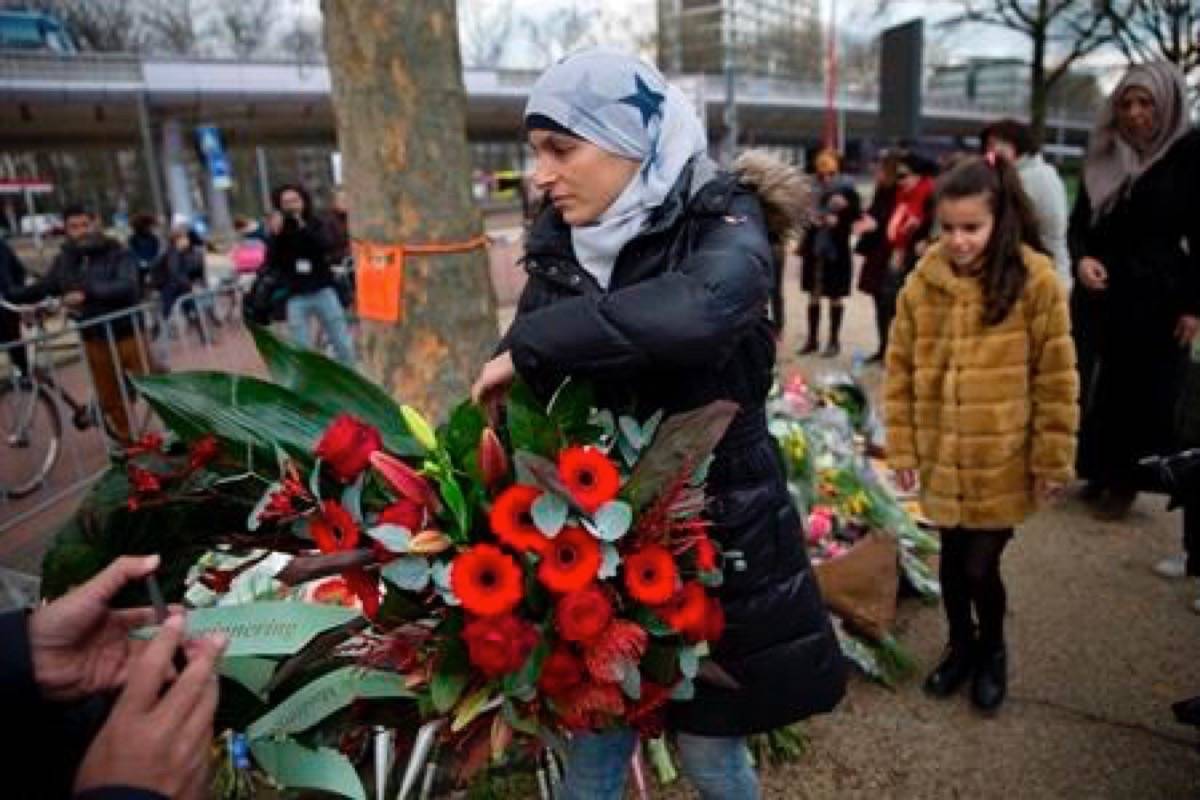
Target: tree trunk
[401, 116]
[1038, 91]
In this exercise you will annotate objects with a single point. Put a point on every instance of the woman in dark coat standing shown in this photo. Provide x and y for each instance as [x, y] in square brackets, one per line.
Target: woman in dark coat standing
[1135, 239]
[874, 247]
[649, 273]
[828, 263]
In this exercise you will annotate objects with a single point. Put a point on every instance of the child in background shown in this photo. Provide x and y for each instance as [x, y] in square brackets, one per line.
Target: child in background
[981, 401]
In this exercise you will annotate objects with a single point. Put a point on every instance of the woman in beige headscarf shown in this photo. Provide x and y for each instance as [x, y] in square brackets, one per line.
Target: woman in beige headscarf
[1135, 241]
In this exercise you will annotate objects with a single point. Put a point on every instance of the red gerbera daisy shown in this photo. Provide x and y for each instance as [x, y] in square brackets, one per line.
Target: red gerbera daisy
[486, 580]
[689, 611]
[590, 477]
[650, 575]
[583, 615]
[571, 560]
[512, 519]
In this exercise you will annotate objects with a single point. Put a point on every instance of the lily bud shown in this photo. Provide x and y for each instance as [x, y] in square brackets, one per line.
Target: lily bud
[429, 543]
[421, 430]
[407, 482]
[493, 461]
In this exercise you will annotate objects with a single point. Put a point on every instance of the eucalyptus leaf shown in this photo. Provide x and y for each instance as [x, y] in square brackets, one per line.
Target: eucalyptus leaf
[410, 574]
[685, 690]
[632, 432]
[689, 662]
[613, 520]
[651, 427]
[549, 514]
[352, 498]
[396, 538]
[631, 682]
[610, 563]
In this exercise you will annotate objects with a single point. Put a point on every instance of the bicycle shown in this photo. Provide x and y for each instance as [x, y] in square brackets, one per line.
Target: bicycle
[31, 425]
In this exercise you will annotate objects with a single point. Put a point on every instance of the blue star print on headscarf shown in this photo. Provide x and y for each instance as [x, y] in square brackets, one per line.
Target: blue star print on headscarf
[645, 100]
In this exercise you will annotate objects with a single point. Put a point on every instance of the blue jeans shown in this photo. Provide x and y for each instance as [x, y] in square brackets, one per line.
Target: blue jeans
[718, 767]
[324, 305]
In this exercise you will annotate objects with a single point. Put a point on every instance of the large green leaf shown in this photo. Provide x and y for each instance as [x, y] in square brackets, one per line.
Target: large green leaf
[243, 412]
[334, 388]
[528, 425]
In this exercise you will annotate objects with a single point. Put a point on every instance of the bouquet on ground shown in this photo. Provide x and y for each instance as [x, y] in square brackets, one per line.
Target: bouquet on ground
[859, 535]
[514, 583]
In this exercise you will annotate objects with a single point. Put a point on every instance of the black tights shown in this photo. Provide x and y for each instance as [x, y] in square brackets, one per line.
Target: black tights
[970, 575]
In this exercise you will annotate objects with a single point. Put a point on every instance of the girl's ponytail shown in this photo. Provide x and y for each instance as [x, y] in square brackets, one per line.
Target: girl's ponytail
[1004, 272]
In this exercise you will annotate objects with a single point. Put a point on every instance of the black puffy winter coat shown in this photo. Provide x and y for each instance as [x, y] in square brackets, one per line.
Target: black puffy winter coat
[684, 323]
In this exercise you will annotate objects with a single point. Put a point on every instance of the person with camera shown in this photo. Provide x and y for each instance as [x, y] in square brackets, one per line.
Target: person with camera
[298, 254]
[62, 663]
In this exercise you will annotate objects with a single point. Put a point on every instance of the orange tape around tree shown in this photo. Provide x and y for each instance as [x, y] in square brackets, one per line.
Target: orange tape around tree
[379, 273]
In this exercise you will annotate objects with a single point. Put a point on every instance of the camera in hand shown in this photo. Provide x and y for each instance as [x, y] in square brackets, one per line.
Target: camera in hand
[291, 222]
[1178, 475]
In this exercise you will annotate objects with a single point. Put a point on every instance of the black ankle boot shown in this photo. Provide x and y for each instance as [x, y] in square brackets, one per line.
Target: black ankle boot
[957, 664]
[990, 685]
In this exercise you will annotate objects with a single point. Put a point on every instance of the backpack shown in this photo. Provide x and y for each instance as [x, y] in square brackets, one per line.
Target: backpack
[266, 302]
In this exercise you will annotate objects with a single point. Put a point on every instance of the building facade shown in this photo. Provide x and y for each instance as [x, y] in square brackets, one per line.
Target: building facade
[775, 38]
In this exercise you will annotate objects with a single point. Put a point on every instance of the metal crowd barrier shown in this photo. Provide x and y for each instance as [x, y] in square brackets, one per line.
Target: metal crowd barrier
[71, 362]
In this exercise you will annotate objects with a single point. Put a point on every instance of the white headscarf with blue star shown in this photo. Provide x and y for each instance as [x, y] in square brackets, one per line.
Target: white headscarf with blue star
[627, 108]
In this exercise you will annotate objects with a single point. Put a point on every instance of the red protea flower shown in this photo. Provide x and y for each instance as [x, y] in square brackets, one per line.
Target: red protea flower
[333, 591]
[486, 580]
[651, 575]
[706, 554]
[367, 589]
[647, 715]
[570, 560]
[620, 645]
[590, 477]
[590, 706]
[407, 482]
[689, 612]
[561, 671]
[493, 461]
[149, 443]
[347, 445]
[512, 519]
[499, 645]
[290, 500]
[582, 616]
[333, 529]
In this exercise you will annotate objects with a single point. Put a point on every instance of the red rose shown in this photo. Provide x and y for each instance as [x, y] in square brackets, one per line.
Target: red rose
[405, 513]
[560, 671]
[347, 445]
[499, 645]
[582, 616]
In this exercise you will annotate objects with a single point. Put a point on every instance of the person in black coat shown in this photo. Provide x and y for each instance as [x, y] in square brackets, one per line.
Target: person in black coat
[828, 263]
[1135, 240]
[649, 273]
[298, 254]
[874, 247]
[60, 665]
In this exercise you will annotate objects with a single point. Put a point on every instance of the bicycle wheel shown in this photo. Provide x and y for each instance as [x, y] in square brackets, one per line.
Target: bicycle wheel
[31, 431]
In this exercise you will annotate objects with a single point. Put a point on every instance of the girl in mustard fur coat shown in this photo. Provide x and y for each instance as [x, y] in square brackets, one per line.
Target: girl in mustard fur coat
[980, 403]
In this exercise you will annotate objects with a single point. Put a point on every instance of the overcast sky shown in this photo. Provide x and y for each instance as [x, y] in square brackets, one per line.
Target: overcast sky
[854, 15]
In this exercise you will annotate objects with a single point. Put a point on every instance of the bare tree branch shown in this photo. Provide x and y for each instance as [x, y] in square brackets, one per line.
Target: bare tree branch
[485, 29]
[246, 25]
[113, 26]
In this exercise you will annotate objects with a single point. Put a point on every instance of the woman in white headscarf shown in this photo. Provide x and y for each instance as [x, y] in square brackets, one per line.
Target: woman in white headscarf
[1135, 241]
[649, 273]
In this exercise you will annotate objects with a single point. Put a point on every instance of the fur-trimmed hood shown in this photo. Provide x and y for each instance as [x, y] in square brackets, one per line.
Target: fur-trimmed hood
[781, 188]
